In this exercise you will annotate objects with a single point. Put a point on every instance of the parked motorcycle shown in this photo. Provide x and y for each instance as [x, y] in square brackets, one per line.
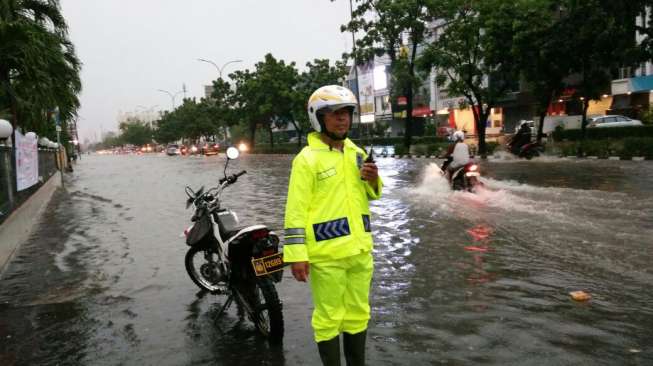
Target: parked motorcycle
[242, 263]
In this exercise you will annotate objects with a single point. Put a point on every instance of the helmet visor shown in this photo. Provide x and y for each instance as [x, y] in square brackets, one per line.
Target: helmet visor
[337, 107]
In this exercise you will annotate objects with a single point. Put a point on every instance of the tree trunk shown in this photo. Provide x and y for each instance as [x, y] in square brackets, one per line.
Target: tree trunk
[583, 127]
[252, 134]
[480, 118]
[298, 130]
[408, 136]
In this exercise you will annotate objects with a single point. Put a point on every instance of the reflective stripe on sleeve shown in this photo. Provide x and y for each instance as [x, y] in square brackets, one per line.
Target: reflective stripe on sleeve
[295, 240]
[295, 232]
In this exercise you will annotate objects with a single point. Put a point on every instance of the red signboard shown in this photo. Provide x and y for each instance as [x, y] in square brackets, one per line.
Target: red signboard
[422, 111]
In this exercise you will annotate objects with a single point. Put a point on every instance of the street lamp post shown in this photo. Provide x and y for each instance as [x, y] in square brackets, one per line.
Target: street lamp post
[172, 96]
[220, 69]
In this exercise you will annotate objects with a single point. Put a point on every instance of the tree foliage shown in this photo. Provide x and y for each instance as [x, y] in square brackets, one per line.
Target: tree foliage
[470, 55]
[39, 69]
[395, 28]
[135, 132]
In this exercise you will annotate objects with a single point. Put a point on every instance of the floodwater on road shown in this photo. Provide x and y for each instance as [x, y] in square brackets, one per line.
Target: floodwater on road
[460, 278]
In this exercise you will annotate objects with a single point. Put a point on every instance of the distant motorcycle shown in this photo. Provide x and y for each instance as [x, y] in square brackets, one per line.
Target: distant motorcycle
[521, 143]
[242, 263]
[528, 151]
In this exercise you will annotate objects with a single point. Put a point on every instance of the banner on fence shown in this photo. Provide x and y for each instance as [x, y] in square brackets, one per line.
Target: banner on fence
[27, 162]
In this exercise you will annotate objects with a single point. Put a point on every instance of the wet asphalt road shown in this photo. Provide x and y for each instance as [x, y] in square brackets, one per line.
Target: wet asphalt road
[460, 279]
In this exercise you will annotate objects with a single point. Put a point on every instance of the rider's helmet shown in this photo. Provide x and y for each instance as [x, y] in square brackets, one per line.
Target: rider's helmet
[459, 136]
[329, 98]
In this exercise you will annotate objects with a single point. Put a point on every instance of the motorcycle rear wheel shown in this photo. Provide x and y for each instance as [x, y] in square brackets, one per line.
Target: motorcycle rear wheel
[203, 272]
[264, 307]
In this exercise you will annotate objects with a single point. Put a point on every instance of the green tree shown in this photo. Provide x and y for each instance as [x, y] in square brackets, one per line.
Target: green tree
[541, 50]
[135, 132]
[267, 96]
[169, 128]
[38, 66]
[604, 40]
[221, 107]
[470, 55]
[383, 24]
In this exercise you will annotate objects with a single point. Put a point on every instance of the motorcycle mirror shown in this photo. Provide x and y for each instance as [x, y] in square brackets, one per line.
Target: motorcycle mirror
[189, 192]
[232, 153]
[189, 202]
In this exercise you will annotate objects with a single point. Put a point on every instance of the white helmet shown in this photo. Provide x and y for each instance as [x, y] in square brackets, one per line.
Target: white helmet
[329, 98]
[459, 135]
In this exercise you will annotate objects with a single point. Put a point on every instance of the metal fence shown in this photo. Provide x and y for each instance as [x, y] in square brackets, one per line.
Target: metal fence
[10, 198]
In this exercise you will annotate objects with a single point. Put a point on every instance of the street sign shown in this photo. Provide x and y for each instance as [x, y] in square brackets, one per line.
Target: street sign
[58, 128]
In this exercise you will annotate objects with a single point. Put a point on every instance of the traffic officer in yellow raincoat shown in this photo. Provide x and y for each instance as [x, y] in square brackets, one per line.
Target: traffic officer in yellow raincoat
[328, 237]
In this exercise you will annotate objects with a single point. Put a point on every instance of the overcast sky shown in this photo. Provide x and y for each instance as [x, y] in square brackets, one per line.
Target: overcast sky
[131, 48]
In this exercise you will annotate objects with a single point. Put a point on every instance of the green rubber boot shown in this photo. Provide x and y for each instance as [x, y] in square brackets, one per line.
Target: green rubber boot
[330, 351]
[354, 345]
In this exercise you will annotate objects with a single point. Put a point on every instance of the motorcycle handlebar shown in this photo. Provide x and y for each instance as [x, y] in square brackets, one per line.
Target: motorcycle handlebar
[232, 178]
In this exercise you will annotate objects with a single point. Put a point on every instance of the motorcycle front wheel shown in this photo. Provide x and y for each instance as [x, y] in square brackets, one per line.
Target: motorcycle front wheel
[264, 307]
[204, 269]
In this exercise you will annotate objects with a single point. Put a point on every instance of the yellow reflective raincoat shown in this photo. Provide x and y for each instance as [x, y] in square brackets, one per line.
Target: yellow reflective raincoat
[328, 225]
[327, 212]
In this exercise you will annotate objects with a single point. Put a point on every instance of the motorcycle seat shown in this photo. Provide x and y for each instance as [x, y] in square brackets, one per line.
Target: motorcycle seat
[228, 234]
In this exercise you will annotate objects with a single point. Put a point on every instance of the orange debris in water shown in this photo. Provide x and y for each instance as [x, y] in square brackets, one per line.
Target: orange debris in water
[580, 295]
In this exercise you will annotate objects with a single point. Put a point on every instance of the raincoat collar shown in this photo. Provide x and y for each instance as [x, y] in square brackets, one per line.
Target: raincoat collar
[315, 142]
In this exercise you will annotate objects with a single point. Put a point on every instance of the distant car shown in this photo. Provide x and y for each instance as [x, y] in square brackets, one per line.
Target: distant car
[173, 149]
[211, 148]
[612, 121]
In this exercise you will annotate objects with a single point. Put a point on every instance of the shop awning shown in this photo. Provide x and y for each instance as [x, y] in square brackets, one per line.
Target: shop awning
[641, 83]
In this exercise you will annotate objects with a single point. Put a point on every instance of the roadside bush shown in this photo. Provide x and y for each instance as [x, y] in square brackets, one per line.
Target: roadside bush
[491, 146]
[626, 148]
[398, 140]
[637, 147]
[289, 148]
[419, 149]
[400, 149]
[603, 133]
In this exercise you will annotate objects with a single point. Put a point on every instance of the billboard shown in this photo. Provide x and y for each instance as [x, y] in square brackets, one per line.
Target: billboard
[366, 90]
[27, 162]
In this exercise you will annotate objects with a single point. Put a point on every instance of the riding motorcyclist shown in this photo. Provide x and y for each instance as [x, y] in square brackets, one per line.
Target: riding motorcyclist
[328, 235]
[521, 138]
[457, 154]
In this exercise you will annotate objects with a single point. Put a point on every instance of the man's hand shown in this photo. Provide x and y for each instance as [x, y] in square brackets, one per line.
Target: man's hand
[300, 271]
[370, 173]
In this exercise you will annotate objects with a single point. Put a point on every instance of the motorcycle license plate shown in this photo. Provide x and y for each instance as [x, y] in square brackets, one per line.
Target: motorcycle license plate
[266, 265]
[472, 174]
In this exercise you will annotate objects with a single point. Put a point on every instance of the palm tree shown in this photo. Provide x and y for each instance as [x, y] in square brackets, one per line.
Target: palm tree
[38, 66]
